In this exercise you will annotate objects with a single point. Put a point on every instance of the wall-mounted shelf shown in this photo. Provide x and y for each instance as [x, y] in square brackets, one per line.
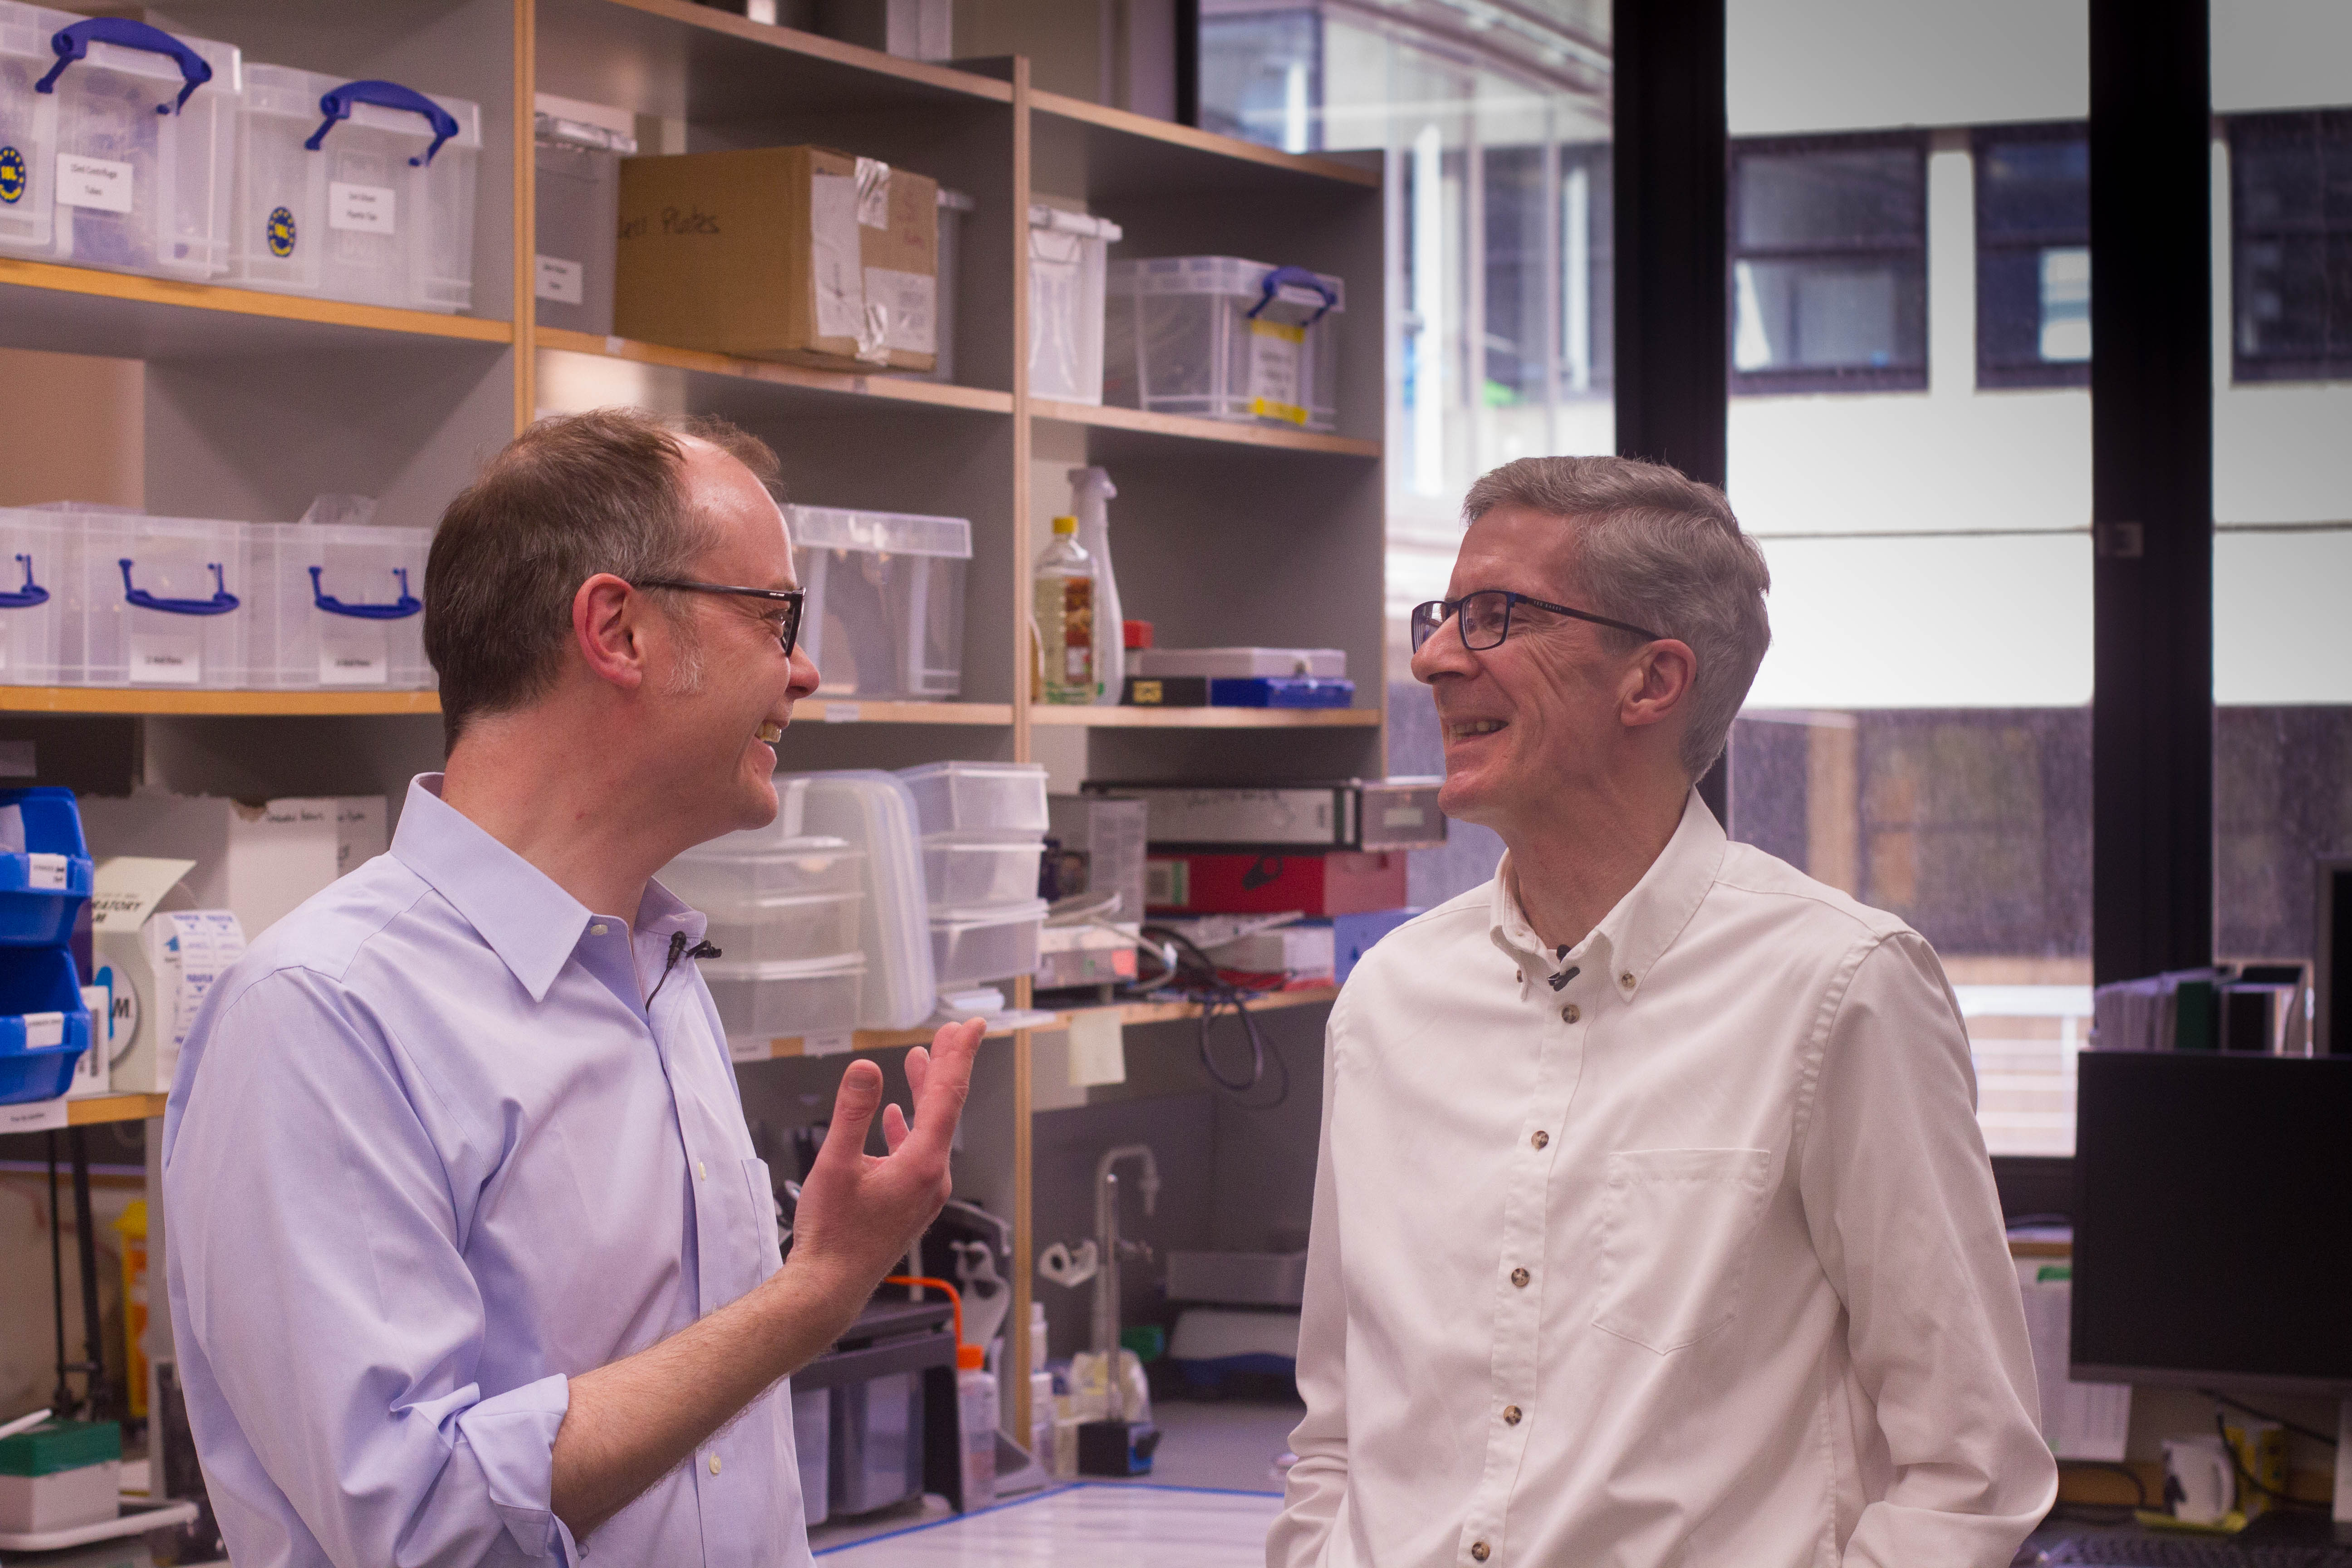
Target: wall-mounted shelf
[99, 1108]
[790, 378]
[148, 700]
[1186, 427]
[1131, 1013]
[849, 709]
[1124, 718]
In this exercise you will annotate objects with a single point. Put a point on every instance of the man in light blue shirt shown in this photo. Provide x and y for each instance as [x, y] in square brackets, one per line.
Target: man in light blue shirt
[470, 1259]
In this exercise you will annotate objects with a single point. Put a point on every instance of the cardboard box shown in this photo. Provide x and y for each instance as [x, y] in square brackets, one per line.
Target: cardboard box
[799, 254]
[257, 861]
[1337, 882]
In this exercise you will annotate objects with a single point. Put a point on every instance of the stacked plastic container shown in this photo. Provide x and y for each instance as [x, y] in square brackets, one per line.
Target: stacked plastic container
[156, 601]
[786, 907]
[32, 601]
[45, 881]
[1223, 337]
[355, 190]
[340, 603]
[575, 214]
[117, 144]
[983, 827]
[885, 613]
[1068, 256]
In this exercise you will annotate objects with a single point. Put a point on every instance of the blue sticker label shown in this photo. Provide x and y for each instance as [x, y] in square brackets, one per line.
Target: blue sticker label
[12, 176]
[281, 233]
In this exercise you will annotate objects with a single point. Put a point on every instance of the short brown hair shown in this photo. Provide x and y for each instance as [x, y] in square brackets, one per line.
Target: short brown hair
[1658, 549]
[571, 496]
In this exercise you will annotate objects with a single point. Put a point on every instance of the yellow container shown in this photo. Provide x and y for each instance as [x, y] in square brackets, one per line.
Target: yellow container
[133, 1230]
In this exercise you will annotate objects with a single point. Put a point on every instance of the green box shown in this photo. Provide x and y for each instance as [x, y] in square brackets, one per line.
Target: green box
[56, 1447]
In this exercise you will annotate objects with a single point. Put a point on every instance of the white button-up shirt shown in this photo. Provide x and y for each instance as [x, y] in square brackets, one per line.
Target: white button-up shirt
[1691, 1261]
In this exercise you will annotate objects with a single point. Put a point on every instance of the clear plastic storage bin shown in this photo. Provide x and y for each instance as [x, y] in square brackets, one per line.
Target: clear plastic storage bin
[969, 947]
[1223, 339]
[966, 873]
[759, 1003]
[576, 210]
[160, 601]
[873, 811]
[356, 190]
[790, 900]
[339, 605]
[1066, 258]
[117, 142]
[1006, 798]
[885, 617]
[32, 599]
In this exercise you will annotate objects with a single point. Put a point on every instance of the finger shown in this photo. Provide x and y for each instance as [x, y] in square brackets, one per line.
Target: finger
[853, 1113]
[894, 1126]
[918, 1067]
[947, 1080]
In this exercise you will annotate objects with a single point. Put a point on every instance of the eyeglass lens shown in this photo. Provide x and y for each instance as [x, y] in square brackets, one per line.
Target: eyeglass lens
[1486, 618]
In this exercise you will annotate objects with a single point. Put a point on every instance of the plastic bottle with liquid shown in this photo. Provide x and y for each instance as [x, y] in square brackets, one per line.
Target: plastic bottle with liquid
[1064, 606]
[1090, 492]
[977, 1416]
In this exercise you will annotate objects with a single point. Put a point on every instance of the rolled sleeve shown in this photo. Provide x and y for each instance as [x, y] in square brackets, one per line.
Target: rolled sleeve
[329, 1331]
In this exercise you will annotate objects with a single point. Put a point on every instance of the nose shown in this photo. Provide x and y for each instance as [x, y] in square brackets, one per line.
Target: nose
[805, 677]
[1444, 654]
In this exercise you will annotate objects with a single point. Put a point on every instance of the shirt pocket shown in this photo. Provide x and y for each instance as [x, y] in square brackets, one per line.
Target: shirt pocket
[1677, 1230]
[766, 1242]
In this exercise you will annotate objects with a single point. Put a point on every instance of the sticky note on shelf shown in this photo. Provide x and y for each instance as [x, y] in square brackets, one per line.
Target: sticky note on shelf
[1097, 1048]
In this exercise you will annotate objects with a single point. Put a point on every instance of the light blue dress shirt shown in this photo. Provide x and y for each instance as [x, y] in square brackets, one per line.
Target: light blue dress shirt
[429, 1155]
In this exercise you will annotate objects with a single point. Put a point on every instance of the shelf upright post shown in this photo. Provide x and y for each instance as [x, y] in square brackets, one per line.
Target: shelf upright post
[526, 216]
[1025, 1241]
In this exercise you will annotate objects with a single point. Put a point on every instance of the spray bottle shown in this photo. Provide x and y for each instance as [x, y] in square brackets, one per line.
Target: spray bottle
[1090, 490]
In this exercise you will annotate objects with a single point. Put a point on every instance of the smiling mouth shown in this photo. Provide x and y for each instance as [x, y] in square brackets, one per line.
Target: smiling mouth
[1470, 727]
[771, 732]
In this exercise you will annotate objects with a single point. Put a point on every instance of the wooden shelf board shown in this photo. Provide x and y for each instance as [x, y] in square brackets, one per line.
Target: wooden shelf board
[1207, 718]
[671, 58]
[144, 700]
[118, 311]
[839, 710]
[100, 1108]
[1186, 139]
[798, 378]
[1184, 426]
[1130, 1013]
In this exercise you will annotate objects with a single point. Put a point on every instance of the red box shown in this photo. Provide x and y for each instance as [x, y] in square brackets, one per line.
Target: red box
[1340, 882]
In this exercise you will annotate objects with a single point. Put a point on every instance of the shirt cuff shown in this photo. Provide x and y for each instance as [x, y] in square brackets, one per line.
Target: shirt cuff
[512, 1436]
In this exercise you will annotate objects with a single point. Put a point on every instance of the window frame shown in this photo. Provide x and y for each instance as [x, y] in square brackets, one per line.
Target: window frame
[1863, 379]
[1996, 376]
[2245, 370]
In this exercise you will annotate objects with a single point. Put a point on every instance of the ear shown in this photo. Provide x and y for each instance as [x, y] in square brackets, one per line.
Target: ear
[1657, 683]
[606, 628]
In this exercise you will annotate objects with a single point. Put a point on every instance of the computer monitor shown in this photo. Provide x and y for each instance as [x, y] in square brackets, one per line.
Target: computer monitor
[2213, 1221]
[2331, 969]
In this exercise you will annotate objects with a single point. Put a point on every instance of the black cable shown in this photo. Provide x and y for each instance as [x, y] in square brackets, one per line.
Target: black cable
[2246, 1477]
[1196, 973]
[2300, 1431]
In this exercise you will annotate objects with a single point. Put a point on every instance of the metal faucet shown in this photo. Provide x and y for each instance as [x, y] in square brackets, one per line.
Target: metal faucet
[1107, 1298]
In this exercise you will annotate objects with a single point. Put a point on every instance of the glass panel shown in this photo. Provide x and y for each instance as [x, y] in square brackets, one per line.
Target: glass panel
[1801, 200]
[2030, 190]
[1828, 315]
[2291, 201]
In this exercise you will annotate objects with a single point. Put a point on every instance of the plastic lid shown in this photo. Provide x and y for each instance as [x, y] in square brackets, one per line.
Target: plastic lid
[897, 533]
[1138, 632]
[971, 1358]
[1066, 525]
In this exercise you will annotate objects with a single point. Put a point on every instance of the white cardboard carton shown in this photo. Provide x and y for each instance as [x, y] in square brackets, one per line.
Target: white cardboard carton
[257, 861]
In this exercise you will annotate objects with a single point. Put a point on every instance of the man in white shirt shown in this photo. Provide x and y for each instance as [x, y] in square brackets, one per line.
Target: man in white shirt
[1653, 1227]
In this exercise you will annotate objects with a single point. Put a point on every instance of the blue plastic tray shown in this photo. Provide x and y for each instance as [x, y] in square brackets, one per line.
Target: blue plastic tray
[1282, 691]
[39, 980]
[39, 899]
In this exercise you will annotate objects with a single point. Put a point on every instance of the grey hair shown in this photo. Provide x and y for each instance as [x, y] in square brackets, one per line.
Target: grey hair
[1658, 549]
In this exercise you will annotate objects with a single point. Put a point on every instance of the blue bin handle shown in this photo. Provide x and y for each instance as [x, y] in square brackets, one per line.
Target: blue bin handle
[73, 43]
[1275, 280]
[220, 603]
[25, 597]
[400, 609]
[337, 105]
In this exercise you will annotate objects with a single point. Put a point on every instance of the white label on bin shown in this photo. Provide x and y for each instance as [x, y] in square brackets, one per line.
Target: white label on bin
[560, 281]
[99, 182]
[160, 660]
[909, 301]
[830, 1045]
[1274, 391]
[45, 873]
[44, 1029]
[747, 1050]
[40, 1116]
[363, 209]
[837, 712]
[359, 657]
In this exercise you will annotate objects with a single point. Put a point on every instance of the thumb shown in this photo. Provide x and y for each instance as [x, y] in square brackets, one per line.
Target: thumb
[853, 1113]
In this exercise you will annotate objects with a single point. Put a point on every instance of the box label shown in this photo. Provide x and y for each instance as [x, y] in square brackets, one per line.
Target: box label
[44, 1029]
[1274, 391]
[834, 247]
[1167, 884]
[45, 873]
[560, 281]
[160, 660]
[40, 1116]
[363, 209]
[909, 304]
[359, 657]
[97, 182]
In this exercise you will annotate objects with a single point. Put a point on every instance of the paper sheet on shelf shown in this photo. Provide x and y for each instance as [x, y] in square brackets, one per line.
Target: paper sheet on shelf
[2079, 1420]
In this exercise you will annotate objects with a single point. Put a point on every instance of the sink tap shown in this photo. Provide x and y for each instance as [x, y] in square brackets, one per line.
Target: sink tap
[1106, 1239]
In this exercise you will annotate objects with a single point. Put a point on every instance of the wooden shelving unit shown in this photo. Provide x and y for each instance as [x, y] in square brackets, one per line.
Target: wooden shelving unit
[101, 1108]
[254, 403]
[1129, 1013]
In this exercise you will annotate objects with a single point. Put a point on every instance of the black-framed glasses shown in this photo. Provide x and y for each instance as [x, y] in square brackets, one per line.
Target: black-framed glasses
[788, 628]
[1486, 618]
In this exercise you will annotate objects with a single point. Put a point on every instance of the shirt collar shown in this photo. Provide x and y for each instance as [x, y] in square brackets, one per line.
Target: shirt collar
[530, 922]
[1631, 937]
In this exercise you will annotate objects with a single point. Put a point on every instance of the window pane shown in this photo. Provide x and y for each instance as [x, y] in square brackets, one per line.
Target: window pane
[2033, 305]
[1803, 200]
[2291, 203]
[1828, 315]
[2034, 189]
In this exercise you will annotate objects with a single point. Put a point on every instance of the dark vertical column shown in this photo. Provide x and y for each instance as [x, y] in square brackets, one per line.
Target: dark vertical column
[1188, 62]
[1672, 344]
[2151, 488]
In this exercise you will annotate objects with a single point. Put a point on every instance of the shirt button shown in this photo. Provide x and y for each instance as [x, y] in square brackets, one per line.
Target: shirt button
[701, 1171]
[1510, 1415]
[596, 930]
[1520, 1277]
[1520, 975]
[1480, 1552]
[714, 1464]
[1540, 1140]
[1626, 980]
[1570, 1013]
